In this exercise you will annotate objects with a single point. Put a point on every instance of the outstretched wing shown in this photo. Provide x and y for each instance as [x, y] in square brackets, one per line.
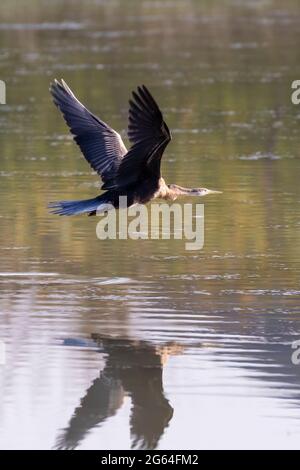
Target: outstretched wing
[149, 136]
[101, 145]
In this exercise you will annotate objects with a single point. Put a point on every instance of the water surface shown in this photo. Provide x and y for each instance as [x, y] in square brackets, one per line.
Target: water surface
[143, 344]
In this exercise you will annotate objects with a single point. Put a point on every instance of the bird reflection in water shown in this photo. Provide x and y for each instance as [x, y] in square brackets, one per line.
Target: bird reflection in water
[134, 369]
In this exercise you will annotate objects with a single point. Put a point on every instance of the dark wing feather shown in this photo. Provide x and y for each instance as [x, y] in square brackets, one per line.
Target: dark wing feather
[149, 136]
[102, 146]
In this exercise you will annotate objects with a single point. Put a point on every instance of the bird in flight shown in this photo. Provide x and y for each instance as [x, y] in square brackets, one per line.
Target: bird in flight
[134, 173]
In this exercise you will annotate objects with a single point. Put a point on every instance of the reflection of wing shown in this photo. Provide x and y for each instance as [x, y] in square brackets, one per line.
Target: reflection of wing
[102, 400]
[139, 367]
[133, 368]
[151, 411]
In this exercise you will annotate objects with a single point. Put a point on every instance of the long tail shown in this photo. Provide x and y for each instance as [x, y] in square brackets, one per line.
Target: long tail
[87, 206]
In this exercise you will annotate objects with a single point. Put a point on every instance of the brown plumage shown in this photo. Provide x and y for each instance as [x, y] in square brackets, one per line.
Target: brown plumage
[134, 173]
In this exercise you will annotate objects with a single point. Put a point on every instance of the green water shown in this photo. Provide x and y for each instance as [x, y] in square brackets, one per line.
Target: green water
[123, 343]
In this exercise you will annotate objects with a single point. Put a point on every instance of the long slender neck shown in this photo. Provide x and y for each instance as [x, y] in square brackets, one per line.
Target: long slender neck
[174, 191]
[171, 191]
[180, 189]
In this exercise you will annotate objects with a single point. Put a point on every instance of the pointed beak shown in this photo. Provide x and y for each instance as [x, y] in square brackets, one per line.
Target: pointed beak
[212, 191]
